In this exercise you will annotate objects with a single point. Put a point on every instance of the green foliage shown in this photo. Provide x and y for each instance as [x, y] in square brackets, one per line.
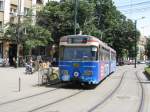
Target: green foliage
[37, 36]
[30, 35]
[148, 48]
[58, 18]
[99, 18]
[147, 70]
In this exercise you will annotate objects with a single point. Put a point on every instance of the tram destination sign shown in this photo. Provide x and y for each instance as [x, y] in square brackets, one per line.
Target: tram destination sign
[77, 40]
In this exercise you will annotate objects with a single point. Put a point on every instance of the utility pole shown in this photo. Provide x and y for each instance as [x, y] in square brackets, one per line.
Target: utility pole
[75, 17]
[18, 32]
[136, 40]
[135, 44]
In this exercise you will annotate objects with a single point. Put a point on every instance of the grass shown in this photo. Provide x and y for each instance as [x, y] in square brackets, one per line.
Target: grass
[147, 72]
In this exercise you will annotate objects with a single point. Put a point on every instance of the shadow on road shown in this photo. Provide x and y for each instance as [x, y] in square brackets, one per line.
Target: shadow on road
[71, 85]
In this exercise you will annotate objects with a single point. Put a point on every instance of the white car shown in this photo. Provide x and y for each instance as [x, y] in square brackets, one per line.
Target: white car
[142, 62]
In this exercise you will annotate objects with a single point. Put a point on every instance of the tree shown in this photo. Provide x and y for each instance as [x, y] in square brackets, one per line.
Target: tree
[28, 34]
[99, 18]
[58, 18]
[36, 36]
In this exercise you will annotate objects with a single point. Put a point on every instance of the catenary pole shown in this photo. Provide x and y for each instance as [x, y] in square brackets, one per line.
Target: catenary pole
[135, 44]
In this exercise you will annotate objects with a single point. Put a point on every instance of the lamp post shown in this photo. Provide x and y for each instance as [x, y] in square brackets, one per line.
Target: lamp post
[135, 44]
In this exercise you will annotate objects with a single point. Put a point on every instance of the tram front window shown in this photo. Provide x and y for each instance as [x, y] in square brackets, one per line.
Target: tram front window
[79, 53]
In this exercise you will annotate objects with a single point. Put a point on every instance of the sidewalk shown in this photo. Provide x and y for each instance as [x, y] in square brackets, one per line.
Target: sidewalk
[9, 83]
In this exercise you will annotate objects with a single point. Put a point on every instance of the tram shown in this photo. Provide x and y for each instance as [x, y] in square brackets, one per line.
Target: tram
[85, 58]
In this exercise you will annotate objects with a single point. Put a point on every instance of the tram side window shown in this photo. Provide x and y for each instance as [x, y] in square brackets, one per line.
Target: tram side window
[104, 54]
[107, 55]
[100, 53]
[113, 56]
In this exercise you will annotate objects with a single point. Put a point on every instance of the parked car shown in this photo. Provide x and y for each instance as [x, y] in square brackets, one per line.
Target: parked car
[147, 62]
[141, 62]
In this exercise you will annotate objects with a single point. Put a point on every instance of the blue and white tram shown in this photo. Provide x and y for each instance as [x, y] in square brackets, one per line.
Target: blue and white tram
[85, 58]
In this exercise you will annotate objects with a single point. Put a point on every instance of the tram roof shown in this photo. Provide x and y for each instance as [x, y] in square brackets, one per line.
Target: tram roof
[94, 39]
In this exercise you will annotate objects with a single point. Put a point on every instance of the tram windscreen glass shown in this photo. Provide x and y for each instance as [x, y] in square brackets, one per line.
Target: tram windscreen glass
[77, 40]
[79, 54]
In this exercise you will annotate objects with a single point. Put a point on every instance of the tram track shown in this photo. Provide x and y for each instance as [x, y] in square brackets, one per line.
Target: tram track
[141, 104]
[59, 84]
[31, 96]
[57, 101]
[108, 96]
[32, 109]
[47, 104]
[70, 96]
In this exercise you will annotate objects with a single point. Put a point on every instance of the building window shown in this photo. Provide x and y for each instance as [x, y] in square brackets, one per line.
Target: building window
[12, 19]
[1, 5]
[39, 1]
[26, 11]
[12, 10]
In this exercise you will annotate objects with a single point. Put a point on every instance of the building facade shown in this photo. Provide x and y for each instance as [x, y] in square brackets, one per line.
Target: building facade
[10, 10]
[141, 48]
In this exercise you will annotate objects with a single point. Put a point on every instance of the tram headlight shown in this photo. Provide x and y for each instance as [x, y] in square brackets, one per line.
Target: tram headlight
[65, 72]
[76, 74]
[88, 72]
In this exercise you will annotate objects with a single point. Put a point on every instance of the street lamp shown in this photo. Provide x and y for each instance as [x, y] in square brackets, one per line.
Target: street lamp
[136, 39]
[135, 44]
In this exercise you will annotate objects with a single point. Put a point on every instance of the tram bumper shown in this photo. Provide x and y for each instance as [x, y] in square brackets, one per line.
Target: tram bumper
[88, 80]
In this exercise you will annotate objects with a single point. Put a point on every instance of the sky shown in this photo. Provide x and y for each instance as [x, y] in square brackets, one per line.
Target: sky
[136, 10]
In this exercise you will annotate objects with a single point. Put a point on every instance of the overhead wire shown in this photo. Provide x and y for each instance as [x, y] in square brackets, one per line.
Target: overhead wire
[135, 8]
[135, 4]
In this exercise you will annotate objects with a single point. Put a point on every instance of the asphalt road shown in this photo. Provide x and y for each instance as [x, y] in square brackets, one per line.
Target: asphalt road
[120, 92]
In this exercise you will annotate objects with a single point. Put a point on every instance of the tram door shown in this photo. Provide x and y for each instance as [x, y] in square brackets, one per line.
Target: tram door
[12, 53]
